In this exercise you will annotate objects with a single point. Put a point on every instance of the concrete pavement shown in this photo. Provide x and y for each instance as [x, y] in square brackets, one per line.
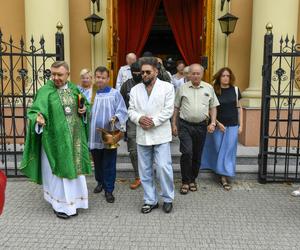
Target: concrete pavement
[251, 216]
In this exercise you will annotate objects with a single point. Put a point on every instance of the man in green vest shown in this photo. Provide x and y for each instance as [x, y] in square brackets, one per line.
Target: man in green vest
[56, 151]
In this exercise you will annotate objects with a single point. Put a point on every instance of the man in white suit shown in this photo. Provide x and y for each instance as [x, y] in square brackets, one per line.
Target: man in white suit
[151, 106]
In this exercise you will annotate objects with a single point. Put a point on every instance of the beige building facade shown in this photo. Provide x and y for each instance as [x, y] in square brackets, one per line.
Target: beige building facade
[242, 51]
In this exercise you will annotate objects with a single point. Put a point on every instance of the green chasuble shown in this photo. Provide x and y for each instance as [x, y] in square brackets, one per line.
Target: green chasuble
[64, 138]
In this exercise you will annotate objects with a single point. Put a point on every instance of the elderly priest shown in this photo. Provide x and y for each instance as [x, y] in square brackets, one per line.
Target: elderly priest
[56, 151]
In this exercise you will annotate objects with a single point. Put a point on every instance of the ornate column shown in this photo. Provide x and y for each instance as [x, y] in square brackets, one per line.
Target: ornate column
[284, 17]
[41, 18]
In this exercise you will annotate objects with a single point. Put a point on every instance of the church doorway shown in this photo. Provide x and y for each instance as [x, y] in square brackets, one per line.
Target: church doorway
[161, 41]
[181, 29]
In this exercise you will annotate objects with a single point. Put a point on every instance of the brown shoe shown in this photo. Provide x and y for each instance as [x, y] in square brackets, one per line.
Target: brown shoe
[135, 184]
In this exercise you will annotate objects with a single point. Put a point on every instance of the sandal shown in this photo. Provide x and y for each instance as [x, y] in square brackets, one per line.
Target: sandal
[193, 187]
[184, 189]
[225, 185]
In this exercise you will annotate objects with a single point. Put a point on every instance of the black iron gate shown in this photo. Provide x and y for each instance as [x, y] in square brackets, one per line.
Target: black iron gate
[280, 111]
[22, 71]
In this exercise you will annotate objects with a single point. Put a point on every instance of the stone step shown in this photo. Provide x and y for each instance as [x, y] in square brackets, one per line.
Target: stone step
[125, 170]
[245, 155]
[243, 172]
[241, 160]
[247, 162]
[251, 169]
[123, 157]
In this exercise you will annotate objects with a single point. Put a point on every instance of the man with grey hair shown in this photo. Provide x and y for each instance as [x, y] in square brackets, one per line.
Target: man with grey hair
[124, 73]
[56, 152]
[151, 106]
[195, 103]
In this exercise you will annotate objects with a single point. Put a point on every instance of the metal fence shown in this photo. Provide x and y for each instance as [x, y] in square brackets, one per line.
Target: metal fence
[23, 69]
[280, 111]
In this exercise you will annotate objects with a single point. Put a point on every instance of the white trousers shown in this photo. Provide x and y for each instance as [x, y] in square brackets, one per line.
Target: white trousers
[160, 155]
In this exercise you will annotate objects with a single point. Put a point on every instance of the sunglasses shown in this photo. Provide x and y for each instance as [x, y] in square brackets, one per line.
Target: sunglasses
[148, 72]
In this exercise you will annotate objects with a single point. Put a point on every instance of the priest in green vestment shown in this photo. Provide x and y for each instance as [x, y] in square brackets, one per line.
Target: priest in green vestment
[56, 152]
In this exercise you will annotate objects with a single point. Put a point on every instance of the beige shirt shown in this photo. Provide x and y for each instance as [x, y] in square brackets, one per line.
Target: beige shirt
[194, 102]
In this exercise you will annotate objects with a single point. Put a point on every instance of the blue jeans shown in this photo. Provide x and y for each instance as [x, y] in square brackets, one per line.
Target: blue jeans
[161, 156]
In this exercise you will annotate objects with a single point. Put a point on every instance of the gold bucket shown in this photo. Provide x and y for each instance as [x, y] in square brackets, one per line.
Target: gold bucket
[111, 138]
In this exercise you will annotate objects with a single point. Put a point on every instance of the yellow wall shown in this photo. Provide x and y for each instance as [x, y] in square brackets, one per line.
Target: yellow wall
[12, 23]
[220, 41]
[101, 52]
[12, 19]
[41, 17]
[239, 47]
[80, 39]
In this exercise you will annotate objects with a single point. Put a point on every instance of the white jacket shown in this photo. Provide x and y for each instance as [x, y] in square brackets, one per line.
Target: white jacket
[159, 106]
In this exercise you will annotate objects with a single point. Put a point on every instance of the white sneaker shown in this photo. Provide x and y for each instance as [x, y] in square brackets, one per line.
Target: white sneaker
[296, 193]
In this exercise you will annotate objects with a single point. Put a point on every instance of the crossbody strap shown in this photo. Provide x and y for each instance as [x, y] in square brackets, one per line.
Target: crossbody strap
[237, 95]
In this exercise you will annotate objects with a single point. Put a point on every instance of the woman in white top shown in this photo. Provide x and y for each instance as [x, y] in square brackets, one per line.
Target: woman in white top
[178, 78]
[85, 86]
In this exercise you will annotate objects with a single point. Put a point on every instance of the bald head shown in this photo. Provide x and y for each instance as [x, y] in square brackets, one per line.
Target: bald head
[197, 67]
[196, 73]
[130, 58]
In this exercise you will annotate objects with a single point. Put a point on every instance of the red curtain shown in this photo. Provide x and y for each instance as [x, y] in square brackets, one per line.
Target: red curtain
[135, 18]
[185, 18]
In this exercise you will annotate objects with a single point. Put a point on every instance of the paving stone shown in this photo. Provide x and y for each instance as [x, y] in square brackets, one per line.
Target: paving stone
[250, 216]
